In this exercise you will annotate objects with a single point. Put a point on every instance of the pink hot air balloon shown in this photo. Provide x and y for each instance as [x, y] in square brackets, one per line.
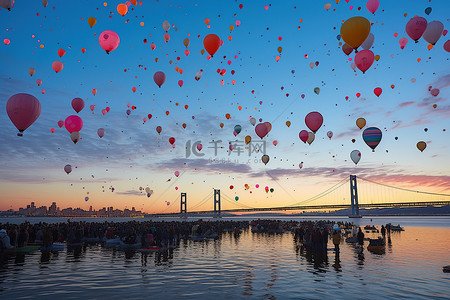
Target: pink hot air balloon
[303, 135]
[38, 82]
[177, 173]
[434, 92]
[364, 59]
[92, 107]
[109, 40]
[447, 46]
[180, 83]
[77, 104]
[314, 120]
[101, 132]
[57, 66]
[377, 91]
[372, 5]
[261, 130]
[60, 123]
[159, 78]
[23, 109]
[199, 147]
[403, 42]
[73, 123]
[416, 27]
[330, 134]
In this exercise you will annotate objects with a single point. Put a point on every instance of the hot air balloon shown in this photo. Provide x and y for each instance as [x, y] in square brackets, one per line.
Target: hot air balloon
[75, 136]
[303, 135]
[368, 42]
[327, 6]
[421, 146]
[372, 137]
[433, 32]
[265, 159]
[31, 71]
[288, 123]
[211, 42]
[403, 42]
[109, 40]
[447, 46]
[300, 165]
[377, 91]
[92, 21]
[166, 25]
[198, 75]
[237, 129]
[159, 78]
[354, 31]
[317, 90]
[172, 140]
[253, 121]
[186, 42]
[77, 104]
[372, 5]
[236, 198]
[261, 130]
[311, 137]
[166, 37]
[416, 27]
[23, 109]
[435, 92]
[428, 11]
[364, 59]
[177, 173]
[330, 134]
[7, 4]
[199, 147]
[361, 122]
[61, 52]
[313, 121]
[355, 155]
[347, 49]
[60, 123]
[57, 66]
[158, 129]
[122, 9]
[73, 123]
[68, 168]
[38, 82]
[101, 132]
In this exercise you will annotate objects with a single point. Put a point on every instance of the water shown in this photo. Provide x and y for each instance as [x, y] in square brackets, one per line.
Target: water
[253, 266]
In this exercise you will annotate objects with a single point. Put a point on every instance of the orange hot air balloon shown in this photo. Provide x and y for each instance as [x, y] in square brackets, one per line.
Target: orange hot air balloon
[421, 146]
[207, 21]
[288, 123]
[122, 9]
[211, 42]
[228, 116]
[354, 31]
[221, 125]
[361, 122]
[31, 71]
[92, 21]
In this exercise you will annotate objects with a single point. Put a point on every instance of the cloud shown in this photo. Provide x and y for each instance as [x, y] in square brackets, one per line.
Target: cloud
[132, 193]
[405, 104]
[204, 165]
[442, 82]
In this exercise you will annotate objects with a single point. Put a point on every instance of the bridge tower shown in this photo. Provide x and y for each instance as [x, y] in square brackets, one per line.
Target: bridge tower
[183, 205]
[354, 197]
[217, 209]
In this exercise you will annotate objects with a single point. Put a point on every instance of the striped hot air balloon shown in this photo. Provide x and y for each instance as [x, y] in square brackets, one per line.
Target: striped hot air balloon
[372, 137]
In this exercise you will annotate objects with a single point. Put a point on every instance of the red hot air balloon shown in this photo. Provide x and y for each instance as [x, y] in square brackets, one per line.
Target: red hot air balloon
[303, 135]
[158, 129]
[73, 123]
[61, 52]
[377, 91]
[347, 49]
[109, 40]
[261, 130]
[159, 78]
[172, 140]
[101, 132]
[211, 42]
[416, 27]
[23, 109]
[60, 123]
[57, 66]
[77, 104]
[364, 59]
[314, 120]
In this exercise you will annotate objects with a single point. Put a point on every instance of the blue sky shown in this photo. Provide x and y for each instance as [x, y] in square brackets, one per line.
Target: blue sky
[133, 155]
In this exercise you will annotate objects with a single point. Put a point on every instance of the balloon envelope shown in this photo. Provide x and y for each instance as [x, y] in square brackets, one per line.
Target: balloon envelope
[75, 136]
[361, 122]
[355, 155]
[368, 42]
[109, 40]
[372, 5]
[372, 137]
[101, 132]
[23, 109]
[314, 120]
[364, 60]
[311, 137]
[421, 146]
[416, 27]
[355, 30]
[261, 130]
[433, 32]
[303, 135]
[265, 159]
[211, 42]
[68, 168]
[237, 129]
[73, 123]
[159, 78]
[77, 104]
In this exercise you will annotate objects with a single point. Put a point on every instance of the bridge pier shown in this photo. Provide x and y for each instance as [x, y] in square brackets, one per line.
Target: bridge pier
[183, 205]
[354, 197]
[217, 209]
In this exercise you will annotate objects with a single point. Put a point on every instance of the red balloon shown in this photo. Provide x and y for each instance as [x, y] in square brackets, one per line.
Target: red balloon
[109, 40]
[416, 27]
[61, 52]
[149, 116]
[92, 107]
[364, 59]
[261, 130]
[52, 130]
[73, 123]
[314, 120]
[172, 140]
[303, 135]
[60, 123]
[57, 66]
[158, 129]
[180, 83]
[377, 91]
[77, 105]
[159, 78]
[211, 42]
[23, 109]
[347, 49]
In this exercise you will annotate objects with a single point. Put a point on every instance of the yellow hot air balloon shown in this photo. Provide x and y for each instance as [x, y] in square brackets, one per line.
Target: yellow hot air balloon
[421, 146]
[92, 21]
[288, 123]
[355, 30]
[377, 57]
[361, 122]
[248, 139]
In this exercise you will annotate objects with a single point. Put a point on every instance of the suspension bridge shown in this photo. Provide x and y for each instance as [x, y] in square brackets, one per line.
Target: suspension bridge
[364, 193]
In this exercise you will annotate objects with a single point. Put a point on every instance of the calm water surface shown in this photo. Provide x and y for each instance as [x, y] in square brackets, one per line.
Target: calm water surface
[251, 266]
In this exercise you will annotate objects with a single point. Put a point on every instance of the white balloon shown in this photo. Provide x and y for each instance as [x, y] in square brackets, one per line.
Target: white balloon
[355, 156]
[368, 42]
[433, 32]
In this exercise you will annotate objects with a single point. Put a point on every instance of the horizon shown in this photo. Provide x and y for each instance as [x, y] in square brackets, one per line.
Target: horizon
[115, 170]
